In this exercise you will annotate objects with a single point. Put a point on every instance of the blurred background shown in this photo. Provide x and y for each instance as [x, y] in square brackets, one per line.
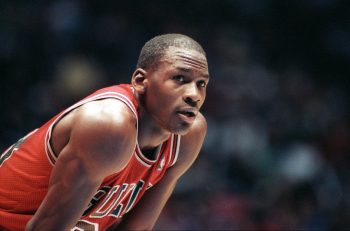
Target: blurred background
[276, 154]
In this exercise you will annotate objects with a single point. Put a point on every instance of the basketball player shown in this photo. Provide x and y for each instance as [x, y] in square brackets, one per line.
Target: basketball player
[112, 160]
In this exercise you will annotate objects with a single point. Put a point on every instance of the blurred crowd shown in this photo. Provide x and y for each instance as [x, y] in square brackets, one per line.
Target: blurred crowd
[276, 155]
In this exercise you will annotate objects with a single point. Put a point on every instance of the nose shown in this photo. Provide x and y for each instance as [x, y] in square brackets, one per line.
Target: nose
[192, 95]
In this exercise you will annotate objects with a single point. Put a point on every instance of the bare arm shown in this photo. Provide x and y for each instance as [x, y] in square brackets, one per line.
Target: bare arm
[147, 211]
[97, 147]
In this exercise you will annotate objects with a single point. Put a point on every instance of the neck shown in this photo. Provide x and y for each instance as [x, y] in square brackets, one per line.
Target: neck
[150, 135]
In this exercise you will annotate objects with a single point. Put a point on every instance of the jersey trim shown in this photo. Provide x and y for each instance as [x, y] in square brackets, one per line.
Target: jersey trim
[177, 149]
[48, 149]
[14, 148]
[171, 149]
[143, 159]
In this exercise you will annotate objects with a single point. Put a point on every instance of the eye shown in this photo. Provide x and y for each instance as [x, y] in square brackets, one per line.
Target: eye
[202, 83]
[179, 78]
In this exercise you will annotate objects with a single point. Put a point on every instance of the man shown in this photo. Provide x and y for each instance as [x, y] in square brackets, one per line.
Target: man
[112, 160]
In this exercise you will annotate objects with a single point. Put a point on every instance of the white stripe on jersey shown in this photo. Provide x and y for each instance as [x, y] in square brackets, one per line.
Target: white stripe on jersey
[177, 150]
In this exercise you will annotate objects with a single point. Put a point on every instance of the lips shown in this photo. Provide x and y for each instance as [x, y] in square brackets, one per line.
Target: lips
[187, 115]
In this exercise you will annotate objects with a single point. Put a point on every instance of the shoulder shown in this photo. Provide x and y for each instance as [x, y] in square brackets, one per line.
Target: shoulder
[199, 127]
[193, 140]
[105, 122]
[101, 133]
[190, 145]
[97, 120]
[104, 114]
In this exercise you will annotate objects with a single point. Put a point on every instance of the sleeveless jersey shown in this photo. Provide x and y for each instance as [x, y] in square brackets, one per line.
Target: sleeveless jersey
[26, 166]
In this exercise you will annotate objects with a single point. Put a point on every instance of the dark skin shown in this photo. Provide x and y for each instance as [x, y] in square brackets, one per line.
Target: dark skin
[99, 138]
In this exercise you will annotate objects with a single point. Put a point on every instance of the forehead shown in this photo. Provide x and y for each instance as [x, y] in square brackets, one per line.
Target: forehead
[182, 57]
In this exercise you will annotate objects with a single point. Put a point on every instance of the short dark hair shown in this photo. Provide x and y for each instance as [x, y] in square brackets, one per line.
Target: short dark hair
[156, 47]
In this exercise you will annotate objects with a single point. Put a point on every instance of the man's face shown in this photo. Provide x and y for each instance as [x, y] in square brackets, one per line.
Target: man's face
[176, 89]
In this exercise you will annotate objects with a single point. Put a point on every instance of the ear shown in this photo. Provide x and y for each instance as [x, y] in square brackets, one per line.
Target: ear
[139, 80]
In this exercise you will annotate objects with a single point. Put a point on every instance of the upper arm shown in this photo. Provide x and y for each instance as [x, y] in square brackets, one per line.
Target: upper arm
[100, 142]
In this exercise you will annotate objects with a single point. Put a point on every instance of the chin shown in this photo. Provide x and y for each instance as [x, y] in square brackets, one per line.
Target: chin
[183, 129]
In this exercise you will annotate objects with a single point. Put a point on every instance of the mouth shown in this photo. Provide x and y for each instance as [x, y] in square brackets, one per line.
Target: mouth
[187, 115]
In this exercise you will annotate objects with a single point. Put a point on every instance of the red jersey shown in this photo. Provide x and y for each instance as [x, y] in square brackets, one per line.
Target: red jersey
[26, 166]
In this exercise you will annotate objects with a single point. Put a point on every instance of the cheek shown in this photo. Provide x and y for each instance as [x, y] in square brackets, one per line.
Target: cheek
[158, 102]
[165, 102]
[163, 96]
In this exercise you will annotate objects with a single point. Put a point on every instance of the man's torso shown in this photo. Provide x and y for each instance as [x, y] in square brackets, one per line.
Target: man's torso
[26, 166]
